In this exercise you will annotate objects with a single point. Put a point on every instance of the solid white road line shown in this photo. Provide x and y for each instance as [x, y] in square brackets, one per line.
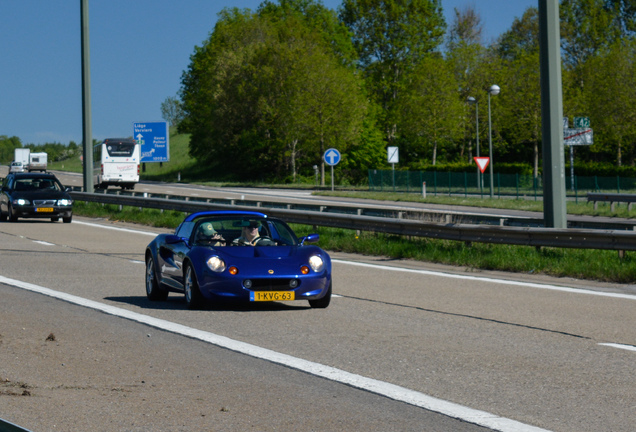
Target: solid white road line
[620, 346]
[391, 391]
[489, 280]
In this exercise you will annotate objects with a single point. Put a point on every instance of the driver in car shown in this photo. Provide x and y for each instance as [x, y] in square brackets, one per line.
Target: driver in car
[249, 234]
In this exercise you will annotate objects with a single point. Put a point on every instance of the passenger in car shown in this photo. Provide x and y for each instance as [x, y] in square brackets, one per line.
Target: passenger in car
[206, 234]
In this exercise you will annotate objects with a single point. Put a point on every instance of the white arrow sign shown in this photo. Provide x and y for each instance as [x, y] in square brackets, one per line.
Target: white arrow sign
[332, 157]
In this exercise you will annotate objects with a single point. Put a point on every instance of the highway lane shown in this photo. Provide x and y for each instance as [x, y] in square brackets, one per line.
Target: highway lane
[524, 351]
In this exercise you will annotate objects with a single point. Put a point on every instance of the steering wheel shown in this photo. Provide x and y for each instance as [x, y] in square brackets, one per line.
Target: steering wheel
[264, 241]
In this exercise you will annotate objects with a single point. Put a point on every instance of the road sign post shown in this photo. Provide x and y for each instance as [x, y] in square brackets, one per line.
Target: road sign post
[576, 137]
[393, 157]
[482, 163]
[331, 158]
[154, 140]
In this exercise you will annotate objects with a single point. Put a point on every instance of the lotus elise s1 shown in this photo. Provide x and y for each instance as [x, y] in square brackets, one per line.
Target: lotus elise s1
[237, 255]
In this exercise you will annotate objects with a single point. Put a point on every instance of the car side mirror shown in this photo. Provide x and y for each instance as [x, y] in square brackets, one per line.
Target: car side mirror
[311, 238]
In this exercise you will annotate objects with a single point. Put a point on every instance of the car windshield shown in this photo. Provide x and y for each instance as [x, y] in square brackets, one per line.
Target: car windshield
[36, 184]
[232, 230]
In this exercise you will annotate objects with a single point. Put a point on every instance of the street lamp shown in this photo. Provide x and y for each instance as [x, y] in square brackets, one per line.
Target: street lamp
[493, 90]
[471, 100]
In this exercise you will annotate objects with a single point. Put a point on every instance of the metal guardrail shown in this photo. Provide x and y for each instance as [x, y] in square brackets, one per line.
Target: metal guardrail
[441, 216]
[620, 240]
[611, 198]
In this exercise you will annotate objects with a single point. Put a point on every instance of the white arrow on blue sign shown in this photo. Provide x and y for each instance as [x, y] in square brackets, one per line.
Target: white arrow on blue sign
[332, 157]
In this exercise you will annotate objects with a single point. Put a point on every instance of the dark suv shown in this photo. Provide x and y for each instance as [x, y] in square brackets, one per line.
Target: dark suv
[34, 195]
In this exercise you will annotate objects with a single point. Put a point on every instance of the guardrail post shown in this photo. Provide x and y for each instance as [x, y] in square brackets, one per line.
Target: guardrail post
[359, 212]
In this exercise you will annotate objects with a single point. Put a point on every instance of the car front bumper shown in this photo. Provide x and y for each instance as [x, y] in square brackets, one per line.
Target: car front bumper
[308, 287]
[29, 211]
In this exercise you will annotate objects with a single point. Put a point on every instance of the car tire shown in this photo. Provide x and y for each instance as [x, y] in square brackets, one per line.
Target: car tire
[194, 298]
[154, 290]
[323, 302]
[67, 219]
[12, 216]
[3, 217]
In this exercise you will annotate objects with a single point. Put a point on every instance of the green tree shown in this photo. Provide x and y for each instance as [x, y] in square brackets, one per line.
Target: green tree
[391, 38]
[588, 26]
[431, 108]
[520, 102]
[7, 147]
[265, 94]
[611, 100]
[171, 111]
[464, 51]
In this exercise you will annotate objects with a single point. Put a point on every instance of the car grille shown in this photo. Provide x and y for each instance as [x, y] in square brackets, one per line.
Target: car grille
[41, 202]
[275, 284]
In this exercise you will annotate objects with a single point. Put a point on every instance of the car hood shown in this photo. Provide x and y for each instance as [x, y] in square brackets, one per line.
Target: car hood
[258, 251]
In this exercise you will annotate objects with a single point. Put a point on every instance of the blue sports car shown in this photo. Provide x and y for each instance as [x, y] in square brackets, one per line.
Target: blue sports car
[236, 255]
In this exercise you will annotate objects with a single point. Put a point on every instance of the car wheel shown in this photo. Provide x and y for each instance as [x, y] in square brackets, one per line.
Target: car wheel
[12, 216]
[67, 219]
[154, 291]
[193, 296]
[3, 217]
[322, 303]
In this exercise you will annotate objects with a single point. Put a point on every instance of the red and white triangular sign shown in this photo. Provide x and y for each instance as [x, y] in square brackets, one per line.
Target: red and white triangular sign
[482, 163]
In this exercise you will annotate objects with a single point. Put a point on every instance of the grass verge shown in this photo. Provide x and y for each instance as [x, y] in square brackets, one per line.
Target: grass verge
[598, 265]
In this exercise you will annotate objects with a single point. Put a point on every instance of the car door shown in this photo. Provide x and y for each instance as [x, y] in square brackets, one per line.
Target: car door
[172, 253]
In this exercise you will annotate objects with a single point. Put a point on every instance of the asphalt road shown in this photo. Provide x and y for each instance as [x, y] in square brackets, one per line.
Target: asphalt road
[518, 351]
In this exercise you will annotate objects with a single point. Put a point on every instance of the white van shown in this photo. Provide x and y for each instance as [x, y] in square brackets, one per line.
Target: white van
[37, 162]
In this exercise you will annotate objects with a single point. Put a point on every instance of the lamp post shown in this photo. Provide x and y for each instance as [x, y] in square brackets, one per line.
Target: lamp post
[471, 100]
[493, 90]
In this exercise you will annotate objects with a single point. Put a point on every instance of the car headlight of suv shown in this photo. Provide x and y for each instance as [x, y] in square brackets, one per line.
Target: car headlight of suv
[21, 202]
[316, 263]
[216, 264]
[64, 202]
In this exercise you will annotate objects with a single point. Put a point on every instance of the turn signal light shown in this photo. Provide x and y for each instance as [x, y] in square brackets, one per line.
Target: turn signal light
[233, 270]
[304, 269]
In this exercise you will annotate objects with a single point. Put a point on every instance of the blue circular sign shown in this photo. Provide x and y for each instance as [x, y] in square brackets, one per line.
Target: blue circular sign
[332, 157]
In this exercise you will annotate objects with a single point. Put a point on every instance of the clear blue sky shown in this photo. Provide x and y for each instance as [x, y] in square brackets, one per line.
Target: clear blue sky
[138, 52]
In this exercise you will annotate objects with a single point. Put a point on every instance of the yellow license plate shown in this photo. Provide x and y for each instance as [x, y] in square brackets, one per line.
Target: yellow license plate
[272, 296]
[44, 210]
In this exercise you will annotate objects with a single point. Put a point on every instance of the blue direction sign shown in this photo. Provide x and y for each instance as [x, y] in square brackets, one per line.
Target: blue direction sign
[332, 157]
[154, 140]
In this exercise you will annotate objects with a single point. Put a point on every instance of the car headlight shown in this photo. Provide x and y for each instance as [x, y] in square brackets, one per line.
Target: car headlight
[316, 263]
[20, 201]
[216, 264]
[64, 202]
